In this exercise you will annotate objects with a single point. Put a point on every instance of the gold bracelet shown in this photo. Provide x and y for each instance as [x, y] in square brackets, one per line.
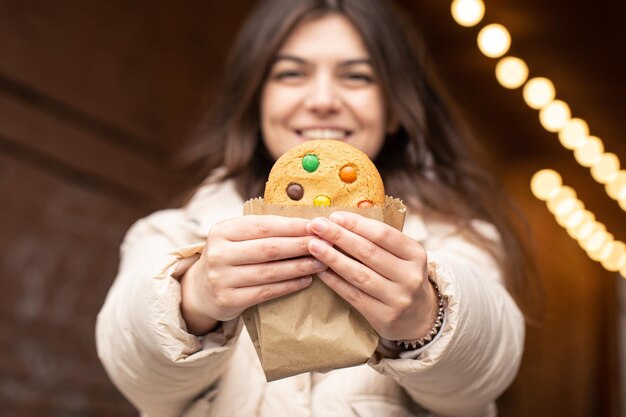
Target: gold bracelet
[436, 327]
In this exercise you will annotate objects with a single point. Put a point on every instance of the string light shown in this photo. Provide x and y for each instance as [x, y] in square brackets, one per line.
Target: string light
[554, 116]
[545, 183]
[574, 134]
[467, 12]
[538, 92]
[579, 223]
[616, 188]
[590, 152]
[494, 40]
[511, 72]
[605, 169]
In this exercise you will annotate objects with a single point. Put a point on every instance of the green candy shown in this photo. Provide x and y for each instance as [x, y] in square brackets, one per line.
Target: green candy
[310, 162]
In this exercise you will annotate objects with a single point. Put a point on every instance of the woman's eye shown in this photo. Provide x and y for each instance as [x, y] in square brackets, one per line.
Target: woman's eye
[290, 74]
[359, 77]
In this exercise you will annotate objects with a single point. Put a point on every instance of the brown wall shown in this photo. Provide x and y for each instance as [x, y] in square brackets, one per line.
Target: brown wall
[95, 96]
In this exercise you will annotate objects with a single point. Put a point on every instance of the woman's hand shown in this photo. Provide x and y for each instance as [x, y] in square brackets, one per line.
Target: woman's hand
[246, 261]
[389, 285]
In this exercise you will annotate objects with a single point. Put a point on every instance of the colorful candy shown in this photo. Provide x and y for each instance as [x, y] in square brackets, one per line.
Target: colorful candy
[321, 201]
[295, 191]
[347, 173]
[365, 204]
[310, 162]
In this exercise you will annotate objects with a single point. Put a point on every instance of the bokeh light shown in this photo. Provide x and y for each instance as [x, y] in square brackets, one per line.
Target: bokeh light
[494, 40]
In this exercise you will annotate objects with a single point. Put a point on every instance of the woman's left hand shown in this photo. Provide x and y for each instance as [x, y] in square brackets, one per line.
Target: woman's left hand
[389, 286]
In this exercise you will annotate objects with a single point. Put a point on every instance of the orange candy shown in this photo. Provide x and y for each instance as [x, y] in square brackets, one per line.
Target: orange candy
[365, 204]
[347, 173]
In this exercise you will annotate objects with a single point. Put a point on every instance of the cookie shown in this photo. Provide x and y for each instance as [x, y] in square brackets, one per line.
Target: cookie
[325, 173]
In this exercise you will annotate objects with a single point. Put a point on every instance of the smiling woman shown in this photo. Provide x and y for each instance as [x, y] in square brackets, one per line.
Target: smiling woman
[322, 86]
[170, 333]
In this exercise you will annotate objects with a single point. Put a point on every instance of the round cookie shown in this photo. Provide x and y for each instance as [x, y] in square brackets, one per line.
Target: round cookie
[324, 173]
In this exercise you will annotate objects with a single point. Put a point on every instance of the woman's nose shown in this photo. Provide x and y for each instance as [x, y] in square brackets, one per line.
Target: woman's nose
[323, 97]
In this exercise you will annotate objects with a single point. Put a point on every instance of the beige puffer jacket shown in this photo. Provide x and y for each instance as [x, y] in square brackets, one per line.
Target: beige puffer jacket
[165, 371]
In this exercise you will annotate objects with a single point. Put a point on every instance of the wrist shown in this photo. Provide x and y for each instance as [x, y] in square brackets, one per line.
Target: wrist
[437, 313]
[198, 323]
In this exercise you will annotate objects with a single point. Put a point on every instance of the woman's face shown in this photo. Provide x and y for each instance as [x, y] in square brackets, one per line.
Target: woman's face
[322, 86]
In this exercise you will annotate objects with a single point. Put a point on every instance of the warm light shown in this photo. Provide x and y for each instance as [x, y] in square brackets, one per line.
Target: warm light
[538, 92]
[616, 188]
[468, 12]
[564, 196]
[596, 254]
[494, 40]
[554, 116]
[576, 231]
[622, 204]
[567, 209]
[589, 152]
[575, 218]
[622, 272]
[590, 242]
[511, 72]
[545, 183]
[616, 257]
[605, 169]
[597, 240]
[574, 134]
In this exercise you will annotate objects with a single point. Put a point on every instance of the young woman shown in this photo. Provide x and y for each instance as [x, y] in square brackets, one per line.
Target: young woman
[170, 334]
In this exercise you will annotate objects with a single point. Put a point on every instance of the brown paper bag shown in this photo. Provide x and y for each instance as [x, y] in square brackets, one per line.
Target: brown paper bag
[313, 329]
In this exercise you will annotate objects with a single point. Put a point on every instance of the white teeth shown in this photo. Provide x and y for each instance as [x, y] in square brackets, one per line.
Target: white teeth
[324, 134]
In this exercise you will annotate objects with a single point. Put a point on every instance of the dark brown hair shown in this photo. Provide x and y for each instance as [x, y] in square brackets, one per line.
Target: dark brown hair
[425, 162]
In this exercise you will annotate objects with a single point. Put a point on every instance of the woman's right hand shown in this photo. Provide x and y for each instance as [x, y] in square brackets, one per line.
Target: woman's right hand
[246, 261]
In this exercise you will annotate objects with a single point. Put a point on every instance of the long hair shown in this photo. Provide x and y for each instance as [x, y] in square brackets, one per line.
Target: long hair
[425, 161]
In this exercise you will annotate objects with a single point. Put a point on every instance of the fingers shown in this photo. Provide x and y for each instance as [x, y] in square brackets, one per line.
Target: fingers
[271, 272]
[379, 233]
[260, 250]
[365, 304]
[369, 253]
[357, 275]
[256, 227]
[242, 298]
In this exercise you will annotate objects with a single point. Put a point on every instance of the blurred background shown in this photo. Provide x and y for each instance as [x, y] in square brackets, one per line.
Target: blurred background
[95, 97]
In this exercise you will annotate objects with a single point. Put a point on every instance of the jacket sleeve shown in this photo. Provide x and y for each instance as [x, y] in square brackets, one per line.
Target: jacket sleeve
[479, 350]
[140, 334]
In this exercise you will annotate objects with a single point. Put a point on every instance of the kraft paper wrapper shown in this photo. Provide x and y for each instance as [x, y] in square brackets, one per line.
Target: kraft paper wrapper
[313, 329]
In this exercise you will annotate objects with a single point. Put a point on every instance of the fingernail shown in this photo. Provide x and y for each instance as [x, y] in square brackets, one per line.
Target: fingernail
[320, 224]
[319, 265]
[316, 246]
[306, 280]
[337, 218]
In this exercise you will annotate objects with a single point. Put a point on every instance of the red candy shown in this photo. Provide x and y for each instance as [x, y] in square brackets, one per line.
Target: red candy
[365, 204]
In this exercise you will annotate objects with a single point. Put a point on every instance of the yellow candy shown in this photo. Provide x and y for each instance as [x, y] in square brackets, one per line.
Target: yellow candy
[321, 201]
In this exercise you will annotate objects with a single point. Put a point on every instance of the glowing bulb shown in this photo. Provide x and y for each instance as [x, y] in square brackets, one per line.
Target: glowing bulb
[467, 12]
[544, 183]
[616, 188]
[564, 195]
[494, 40]
[575, 218]
[539, 92]
[598, 229]
[605, 169]
[554, 116]
[511, 72]
[589, 152]
[565, 211]
[576, 231]
[622, 204]
[616, 257]
[574, 134]
[596, 254]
